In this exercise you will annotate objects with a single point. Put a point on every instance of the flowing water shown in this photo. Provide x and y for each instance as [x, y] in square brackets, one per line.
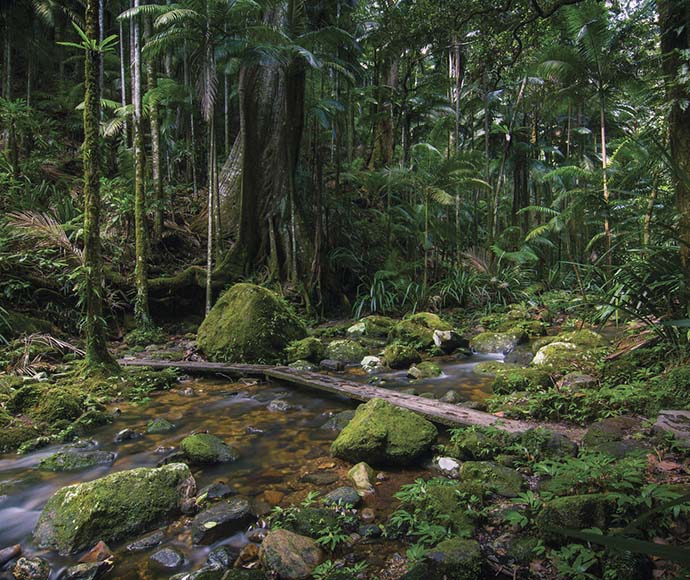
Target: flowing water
[278, 448]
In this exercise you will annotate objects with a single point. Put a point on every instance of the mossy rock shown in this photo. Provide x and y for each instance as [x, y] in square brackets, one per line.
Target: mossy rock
[204, 448]
[499, 479]
[611, 429]
[521, 550]
[13, 435]
[311, 521]
[15, 325]
[400, 356]
[378, 326]
[417, 330]
[575, 512]
[583, 338]
[249, 324]
[346, 351]
[159, 425]
[500, 342]
[114, 507]
[385, 434]
[25, 398]
[546, 444]
[509, 380]
[75, 460]
[452, 559]
[424, 370]
[563, 357]
[309, 349]
[59, 403]
[442, 505]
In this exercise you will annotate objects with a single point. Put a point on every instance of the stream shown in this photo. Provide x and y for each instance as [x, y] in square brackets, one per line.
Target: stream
[278, 448]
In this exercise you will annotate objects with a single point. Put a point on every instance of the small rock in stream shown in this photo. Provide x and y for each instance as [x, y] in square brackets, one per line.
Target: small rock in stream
[127, 435]
[214, 491]
[322, 478]
[88, 571]
[31, 569]
[159, 425]
[332, 365]
[168, 558]
[222, 557]
[220, 520]
[73, 460]
[343, 496]
[99, 553]
[279, 406]
[147, 542]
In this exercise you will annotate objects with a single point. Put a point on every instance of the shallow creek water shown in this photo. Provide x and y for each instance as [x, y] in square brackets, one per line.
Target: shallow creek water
[277, 450]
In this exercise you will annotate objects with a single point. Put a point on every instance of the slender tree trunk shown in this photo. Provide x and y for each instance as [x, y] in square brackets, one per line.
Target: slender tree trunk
[674, 21]
[123, 86]
[141, 303]
[7, 77]
[97, 356]
[154, 119]
[209, 224]
[605, 184]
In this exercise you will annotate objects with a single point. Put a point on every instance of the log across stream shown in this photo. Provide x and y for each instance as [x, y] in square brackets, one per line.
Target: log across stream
[446, 414]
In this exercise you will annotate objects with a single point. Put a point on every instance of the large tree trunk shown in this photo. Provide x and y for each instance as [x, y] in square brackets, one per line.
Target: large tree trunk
[674, 20]
[97, 356]
[268, 213]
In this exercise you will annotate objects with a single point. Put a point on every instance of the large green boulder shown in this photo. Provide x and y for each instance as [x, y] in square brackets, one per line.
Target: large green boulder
[452, 559]
[501, 342]
[113, 507]
[385, 434]
[418, 329]
[249, 324]
[400, 356]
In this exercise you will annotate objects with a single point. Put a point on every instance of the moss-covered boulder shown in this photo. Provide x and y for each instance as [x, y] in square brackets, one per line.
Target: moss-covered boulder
[385, 434]
[418, 329]
[543, 443]
[562, 357]
[159, 425]
[477, 443]
[584, 338]
[500, 342]
[249, 324]
[400, 356]
[424, 370]
[499, 479]
[452, 559]
[204, 448]
[491, 368]
[346, 351]
[575, 512]
[113, 507]
[309, 349]
[75, 459]
[373, 326]
[15, 325]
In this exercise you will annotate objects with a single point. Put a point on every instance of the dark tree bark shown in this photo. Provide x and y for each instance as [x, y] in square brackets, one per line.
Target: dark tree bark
[674, 20]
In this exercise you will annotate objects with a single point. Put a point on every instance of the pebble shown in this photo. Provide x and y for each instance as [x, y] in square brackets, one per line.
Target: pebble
[168, 558]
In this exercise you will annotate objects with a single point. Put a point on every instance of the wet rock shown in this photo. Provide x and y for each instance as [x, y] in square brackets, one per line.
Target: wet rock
[450, 397]
[362, 475]
[159, 425]
[310, 349]
[279, 406]
[448, 466]
[113, 507]
[205, 448]
[169, 558]
[127, 435]
[449, 340]
[346, 351]
[88, 571]
[383, 433]
[249, 324]
[10, 553]
[163, 449]
[186, 392]
[147, 542]
[320, 478]
[400, 356]
[74, 460]
[338, 421]
[290, 556]
[215, 491]
[220, 520]
[250, 553]
[372, 364]
[496, 342]
[31, 569]
[222, 557]
[99, 553]
[257, 535]
[343, 496]
[332, 365]
[676, 423]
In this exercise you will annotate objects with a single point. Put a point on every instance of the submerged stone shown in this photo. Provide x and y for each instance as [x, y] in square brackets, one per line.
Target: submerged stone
[73, 460]
[249, 324]
[113, 507]
[159, 425]
[383, 433]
